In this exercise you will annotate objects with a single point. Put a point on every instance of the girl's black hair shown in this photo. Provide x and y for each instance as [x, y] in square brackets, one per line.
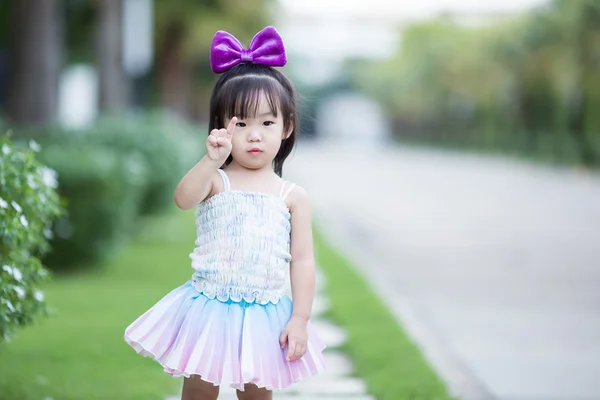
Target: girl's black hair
[237, 94]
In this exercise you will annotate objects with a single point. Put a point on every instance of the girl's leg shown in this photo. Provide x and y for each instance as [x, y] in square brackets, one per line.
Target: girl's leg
[195, 388]
[253, 392]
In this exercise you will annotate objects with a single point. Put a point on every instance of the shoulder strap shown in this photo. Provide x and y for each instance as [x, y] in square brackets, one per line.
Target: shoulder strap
[226, 185]
[286, 189]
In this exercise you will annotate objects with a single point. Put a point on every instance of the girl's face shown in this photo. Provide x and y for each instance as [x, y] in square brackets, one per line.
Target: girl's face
[257, 139]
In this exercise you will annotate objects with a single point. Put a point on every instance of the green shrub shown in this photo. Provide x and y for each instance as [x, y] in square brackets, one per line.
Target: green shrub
[28, 206]
[191, 140]
[102, 189]
[109, 173]
[146, 134]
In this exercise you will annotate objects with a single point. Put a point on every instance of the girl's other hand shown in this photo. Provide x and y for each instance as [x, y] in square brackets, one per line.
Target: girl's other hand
[218, 143]
[295, 335]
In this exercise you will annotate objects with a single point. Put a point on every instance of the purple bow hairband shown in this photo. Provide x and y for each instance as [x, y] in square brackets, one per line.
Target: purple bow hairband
[265, 48]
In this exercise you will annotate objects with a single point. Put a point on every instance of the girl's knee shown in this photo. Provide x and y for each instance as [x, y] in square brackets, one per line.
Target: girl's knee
[253, 392]
[194, 388]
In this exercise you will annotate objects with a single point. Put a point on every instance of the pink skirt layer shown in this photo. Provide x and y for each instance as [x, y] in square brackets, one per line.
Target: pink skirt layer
[230, 343]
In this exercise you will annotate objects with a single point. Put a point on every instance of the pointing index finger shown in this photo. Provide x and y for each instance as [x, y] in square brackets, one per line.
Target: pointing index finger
[231, 126]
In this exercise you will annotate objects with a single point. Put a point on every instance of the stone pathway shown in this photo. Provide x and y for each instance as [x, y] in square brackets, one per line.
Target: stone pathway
[337, 381]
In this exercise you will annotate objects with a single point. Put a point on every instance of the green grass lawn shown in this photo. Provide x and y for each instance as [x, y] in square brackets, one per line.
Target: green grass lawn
[79, 352]
[383, 355]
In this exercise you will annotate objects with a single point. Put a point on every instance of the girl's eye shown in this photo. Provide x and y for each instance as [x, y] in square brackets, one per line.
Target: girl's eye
[268, 123]
[240, 124]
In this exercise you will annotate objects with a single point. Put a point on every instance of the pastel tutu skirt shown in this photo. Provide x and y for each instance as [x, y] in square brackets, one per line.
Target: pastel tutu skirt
[225, 343]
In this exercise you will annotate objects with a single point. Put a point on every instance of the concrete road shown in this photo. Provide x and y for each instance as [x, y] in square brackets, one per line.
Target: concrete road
[492, 265]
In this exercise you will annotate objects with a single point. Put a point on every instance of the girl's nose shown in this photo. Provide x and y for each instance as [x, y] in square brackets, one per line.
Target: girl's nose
[255, 135]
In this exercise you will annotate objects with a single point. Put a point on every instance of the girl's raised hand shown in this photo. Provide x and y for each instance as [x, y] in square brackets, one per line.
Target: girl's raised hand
[218, 143]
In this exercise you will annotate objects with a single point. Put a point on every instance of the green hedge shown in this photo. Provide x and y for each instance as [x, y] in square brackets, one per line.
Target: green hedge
[28, 206]
[102, 190]
[148, 135]
[109, 174]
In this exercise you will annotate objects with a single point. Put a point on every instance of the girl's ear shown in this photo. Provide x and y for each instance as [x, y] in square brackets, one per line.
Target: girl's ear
[289, 132]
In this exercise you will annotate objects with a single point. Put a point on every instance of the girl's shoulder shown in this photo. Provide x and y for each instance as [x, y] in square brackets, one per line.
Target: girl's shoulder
[295, 195]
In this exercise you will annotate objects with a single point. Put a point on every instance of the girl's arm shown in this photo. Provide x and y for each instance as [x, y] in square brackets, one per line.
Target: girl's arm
[302, 276]
[199, 181]
[302, 269]
[197, 184]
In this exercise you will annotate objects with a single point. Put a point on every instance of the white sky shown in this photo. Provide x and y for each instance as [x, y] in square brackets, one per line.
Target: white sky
[409, 9]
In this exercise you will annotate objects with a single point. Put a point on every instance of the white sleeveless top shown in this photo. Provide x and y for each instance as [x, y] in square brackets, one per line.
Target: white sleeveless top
[243, 246]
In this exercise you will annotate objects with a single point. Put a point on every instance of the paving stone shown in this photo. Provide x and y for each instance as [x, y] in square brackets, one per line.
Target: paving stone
[332, 335]
[321, 397]
[227, 393]
[312, 397]
[336, 388]
[320, 306]
[333, 386]
[284, 396]
[338, 364]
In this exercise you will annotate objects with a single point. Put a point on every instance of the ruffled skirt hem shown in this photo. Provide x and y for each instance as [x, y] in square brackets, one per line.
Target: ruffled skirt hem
[224, 343]
[176, 373]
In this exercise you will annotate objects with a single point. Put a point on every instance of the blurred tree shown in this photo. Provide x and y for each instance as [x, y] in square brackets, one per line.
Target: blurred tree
[112, 84]
[530, 83]
[35, 60]
[183, 33]
[80, 31]
[580, 30]
[5, 14]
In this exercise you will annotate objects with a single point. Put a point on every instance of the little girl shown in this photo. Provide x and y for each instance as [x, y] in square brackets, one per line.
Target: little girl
[231, 323]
